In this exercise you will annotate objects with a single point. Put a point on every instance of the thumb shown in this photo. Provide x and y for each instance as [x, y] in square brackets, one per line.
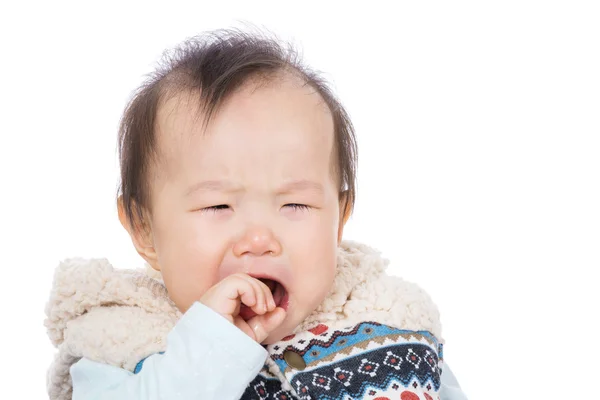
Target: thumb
[263, 325]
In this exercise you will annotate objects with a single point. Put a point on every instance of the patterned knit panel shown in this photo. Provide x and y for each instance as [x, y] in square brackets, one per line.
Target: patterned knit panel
[367, 361]
[264, 387]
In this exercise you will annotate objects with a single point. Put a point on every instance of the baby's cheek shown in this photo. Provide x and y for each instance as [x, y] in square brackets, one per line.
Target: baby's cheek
[318, 283]
[187, 285]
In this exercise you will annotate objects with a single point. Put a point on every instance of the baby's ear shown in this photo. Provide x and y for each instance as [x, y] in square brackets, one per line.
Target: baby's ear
[140, 233]
[345, 212]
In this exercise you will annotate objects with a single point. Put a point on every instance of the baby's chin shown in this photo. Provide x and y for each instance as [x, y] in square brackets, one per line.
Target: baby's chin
[275, 337]
[285, 329]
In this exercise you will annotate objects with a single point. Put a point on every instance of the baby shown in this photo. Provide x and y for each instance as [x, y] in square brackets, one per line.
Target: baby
[238, 169]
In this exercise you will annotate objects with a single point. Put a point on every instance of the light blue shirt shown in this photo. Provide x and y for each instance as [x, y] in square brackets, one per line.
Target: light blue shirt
[208, 358]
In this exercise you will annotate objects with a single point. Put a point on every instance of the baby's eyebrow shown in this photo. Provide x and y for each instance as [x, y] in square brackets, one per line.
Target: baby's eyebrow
[299, 185]
[213, 186]
[296, 185]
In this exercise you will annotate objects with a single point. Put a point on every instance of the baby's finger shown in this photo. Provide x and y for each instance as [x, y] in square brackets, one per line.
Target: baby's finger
[269, 298]
[231, 288]
[261, 305]
[269, 302]
[243, 326]
[262, 325]
[251, 295]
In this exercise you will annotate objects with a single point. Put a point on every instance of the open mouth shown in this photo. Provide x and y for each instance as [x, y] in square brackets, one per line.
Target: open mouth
[280, 297]
[278, 291]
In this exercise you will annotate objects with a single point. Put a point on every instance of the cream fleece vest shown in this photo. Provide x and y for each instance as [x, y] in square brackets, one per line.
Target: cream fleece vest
[119, 317]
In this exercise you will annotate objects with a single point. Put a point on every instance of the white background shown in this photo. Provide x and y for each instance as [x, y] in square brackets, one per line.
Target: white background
[479, 177]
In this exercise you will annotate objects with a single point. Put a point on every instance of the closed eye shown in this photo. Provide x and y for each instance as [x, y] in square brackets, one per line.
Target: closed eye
[221, 207]
[215, 209]
[298, 207]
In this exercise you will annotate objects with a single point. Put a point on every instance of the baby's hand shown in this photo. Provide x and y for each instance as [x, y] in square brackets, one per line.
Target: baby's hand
[227, 297]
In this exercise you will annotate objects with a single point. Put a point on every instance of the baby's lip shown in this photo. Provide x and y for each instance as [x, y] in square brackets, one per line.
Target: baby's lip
[260, 268]
[275, 289]
[274, 276]
[280, 296]
[285, 300]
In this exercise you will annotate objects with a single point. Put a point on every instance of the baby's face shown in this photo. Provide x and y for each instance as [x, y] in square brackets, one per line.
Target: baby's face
[255, 193]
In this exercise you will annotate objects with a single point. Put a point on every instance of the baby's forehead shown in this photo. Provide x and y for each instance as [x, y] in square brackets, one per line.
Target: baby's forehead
[286, 116]
[183, 115]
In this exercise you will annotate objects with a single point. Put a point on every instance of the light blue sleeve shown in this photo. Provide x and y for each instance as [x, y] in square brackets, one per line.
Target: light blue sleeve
[206, 358]
[450, 389]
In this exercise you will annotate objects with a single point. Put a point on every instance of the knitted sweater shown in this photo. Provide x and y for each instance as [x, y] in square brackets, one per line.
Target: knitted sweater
[373, 336]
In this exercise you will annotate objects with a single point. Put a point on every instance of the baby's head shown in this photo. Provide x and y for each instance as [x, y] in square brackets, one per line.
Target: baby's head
[236, 158]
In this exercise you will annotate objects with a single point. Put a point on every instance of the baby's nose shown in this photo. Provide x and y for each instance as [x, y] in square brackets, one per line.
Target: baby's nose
[257, 241]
